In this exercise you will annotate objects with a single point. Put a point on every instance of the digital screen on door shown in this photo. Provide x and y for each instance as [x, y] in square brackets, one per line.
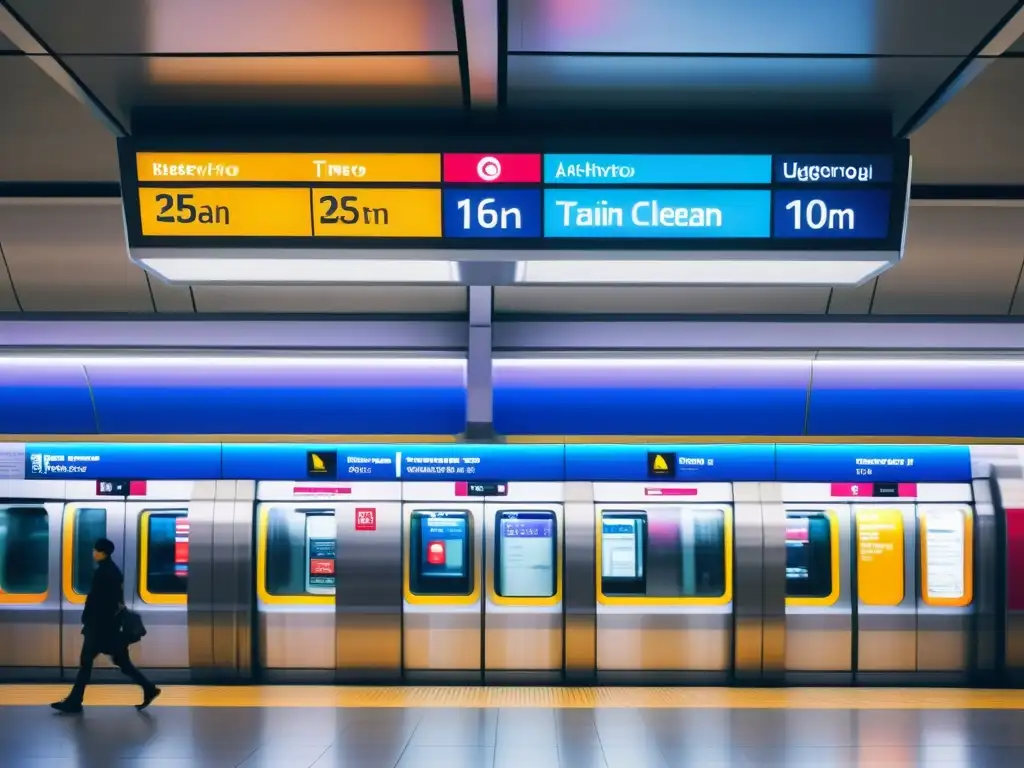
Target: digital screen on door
[526, 554]
[321, 562]
[443, 547]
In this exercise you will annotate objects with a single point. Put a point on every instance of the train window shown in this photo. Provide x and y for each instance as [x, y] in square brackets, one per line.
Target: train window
[167, 552]
[301, 547]
[623, 551]
[525, 554]
[808, 554]
[665, 551]
[441, 553]
[90, 525]
[24, 550]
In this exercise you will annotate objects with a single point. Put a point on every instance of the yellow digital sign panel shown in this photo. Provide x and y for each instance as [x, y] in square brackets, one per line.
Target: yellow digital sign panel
[225, 212]
[365, 212]
[880, 563]
[309, 167]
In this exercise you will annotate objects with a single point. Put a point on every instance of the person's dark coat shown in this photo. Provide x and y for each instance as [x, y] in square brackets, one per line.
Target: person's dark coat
[100, 619]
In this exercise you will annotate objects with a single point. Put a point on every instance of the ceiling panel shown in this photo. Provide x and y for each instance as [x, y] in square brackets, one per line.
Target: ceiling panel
[8, 299]
[976, 137]
[894, 85]
[319, 82]
[660, 300]
[45, 135]
[240, 26]
[331, 300]
[876, 27]
[71, 258]
[170, 298]
[958, 261]
[852, 301]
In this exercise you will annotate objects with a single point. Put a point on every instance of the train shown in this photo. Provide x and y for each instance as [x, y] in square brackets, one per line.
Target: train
[579, 564]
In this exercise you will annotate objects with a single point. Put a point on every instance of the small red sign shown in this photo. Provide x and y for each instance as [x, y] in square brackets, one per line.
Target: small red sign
[321, 567]
[435, 553]
[908, 490]
[316, 490]
[670, 491]
[856, 490]
[485, 168]
[366, 518]
[137, 488]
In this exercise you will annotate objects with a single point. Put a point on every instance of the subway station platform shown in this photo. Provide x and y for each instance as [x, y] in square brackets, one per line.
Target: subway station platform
[298, 727]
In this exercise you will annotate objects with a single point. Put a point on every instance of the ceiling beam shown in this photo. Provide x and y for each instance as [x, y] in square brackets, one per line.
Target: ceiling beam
[480, 18]
[997, 42]
[17, 30]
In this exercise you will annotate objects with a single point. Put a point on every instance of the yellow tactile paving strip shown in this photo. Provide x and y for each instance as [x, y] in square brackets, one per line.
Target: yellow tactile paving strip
[555, 698]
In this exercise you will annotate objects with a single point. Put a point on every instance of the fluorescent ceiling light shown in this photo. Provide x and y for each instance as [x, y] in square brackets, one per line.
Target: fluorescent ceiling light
[284, 271]
[228, 361]
[708, 272]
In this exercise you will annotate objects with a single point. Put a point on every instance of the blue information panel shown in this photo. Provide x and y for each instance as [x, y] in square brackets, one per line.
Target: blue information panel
[286, 461]
[657, 169]
[133, 461]
[649, 213]
[684, 463]
[833, 169]
[492, 213]
[867, 463]
[835, 214]
[483, 462]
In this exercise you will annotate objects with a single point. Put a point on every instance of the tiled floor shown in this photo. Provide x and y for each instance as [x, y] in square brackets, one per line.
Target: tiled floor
[112, 734]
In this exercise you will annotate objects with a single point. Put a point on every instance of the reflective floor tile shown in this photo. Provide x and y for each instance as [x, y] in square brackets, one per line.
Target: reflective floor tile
[526, 757]
[447, 757]
[279, 755]
[358, 757]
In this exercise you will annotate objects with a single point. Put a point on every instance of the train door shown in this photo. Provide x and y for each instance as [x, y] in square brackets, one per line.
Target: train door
[94, 510]
[818, 604]
[442, 627]
[524, 619]
[156, 571]
[309, 627]
[30, 572]
[664, 581]
[945, 601]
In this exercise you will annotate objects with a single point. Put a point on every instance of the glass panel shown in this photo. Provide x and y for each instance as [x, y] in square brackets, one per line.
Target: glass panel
[664, 551]
[301, 551]
[90, 525]
[442, 556]
[808, 554]
[167, 558]
[525, 551]
[24, 550]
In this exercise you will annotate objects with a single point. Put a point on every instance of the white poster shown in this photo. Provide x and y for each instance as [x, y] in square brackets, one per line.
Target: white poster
[944, 544]
[619, 548]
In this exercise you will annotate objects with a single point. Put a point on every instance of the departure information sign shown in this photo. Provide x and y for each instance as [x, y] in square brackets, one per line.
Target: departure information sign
[514, 200]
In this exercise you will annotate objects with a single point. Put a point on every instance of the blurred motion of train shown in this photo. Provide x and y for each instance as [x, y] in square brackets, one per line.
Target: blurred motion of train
[785, 564]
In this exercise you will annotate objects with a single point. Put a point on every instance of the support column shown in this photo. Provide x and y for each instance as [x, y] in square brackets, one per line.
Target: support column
[480, 388]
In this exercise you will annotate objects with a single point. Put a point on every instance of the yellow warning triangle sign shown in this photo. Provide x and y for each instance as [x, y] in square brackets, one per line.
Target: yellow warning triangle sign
[660, 465]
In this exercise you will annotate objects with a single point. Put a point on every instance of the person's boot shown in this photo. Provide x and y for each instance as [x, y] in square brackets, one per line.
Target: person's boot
[148, 697]
[67, 707]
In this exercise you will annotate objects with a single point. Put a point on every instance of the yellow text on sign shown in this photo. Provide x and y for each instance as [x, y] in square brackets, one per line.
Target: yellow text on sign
[245, 167]
[358, 212]
[880, 556]
[225, 212]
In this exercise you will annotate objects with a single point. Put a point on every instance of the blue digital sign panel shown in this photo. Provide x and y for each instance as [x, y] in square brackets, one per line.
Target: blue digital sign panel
[597, 169]
[286, 461]
[688, 463]
[652, 214]
[492, 213]
[870, 463]
[831, 214]
[833, 169]
[461, 461]
[135, 461]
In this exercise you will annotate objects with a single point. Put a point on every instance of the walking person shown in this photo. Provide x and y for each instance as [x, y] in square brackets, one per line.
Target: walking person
[101, 631]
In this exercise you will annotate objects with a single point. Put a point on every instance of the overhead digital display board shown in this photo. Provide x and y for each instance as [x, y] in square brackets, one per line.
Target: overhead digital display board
[512, 206]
